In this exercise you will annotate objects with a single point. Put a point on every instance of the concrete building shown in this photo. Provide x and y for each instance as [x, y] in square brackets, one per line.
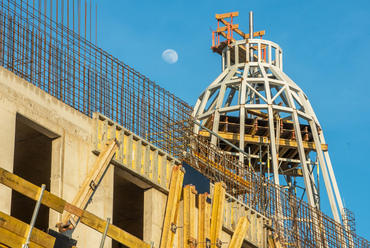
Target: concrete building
[110, 147]
[45, 141]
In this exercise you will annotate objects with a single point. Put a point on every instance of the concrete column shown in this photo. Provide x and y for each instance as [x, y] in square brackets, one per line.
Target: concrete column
[7, 142]
[56, 179]
[154, 209]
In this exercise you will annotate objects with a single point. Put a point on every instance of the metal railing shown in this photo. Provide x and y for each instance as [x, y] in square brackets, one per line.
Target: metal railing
[67, 66]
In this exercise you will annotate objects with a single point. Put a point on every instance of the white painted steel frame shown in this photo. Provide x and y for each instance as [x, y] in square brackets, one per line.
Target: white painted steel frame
[252, 83]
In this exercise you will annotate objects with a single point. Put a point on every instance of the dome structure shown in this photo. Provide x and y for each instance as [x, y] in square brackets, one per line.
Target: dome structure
[267, 117]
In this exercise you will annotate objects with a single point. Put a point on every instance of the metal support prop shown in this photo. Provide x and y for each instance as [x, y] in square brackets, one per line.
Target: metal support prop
[105, 233]
[34, 216]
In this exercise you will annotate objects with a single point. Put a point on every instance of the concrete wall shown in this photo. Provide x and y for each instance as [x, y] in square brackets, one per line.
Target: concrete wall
[71, 148]
[75, 138]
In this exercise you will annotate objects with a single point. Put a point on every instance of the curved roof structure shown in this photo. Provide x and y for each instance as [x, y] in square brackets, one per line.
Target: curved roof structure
[253, 98]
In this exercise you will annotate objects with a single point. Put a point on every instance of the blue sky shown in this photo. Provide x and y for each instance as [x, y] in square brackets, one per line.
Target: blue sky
[325, 51]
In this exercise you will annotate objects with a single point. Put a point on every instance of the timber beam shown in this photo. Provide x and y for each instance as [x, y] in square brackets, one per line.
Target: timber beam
[189, 194]
[240, 232]
[52, 201]
[13, 233]
[172, 208]
[253, 139]
[91, 182]
[217, 211]
[204, 219]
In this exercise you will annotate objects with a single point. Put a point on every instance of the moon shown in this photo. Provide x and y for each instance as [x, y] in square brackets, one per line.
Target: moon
[170, 56]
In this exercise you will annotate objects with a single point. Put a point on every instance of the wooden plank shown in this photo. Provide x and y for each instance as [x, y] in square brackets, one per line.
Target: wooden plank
[273, 242]
[30, 190]
[255, 34]
[254, 128]
[242, 34]
[217, 211]
[13, 240]
[189, 193]
[172, 207]
[73, 209]
[20, 228]
[94, 176]
[253, 139]
[225, 36]
[258, 113]
[227, 15]
[203, 219]
[223, 29]
[246, 36]
[114, 232]
[239, 32]
[207, 225]
[240, 232]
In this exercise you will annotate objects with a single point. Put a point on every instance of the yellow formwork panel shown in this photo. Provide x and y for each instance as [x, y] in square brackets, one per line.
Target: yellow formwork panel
[151, 156]
[135, 153]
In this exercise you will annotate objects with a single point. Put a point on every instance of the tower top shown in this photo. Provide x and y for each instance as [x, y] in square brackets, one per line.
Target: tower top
[224, 34]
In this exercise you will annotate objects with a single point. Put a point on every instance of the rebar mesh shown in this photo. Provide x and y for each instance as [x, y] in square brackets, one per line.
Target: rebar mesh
[70, 68]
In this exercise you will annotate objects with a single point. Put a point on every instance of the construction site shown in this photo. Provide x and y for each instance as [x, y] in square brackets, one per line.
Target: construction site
[95, 154]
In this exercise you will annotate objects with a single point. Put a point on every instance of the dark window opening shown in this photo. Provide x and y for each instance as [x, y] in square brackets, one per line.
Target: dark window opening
[128, 207]
[32, 162]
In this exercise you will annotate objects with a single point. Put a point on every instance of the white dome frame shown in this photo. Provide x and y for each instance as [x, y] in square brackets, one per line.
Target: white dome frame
[251, 82]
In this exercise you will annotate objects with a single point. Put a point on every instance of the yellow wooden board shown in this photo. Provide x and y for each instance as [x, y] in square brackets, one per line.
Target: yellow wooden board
[21, 229]
[13, 240]
[189, 193]
[217, 211]
[113, 231]
[95, 175]
[222, 29]
[253, 139]
[227, 15]
[239, 233]
[204, 219]
[172, 207]
[30, 190]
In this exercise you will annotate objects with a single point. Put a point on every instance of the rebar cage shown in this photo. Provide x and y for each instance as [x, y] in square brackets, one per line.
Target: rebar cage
[61, 62]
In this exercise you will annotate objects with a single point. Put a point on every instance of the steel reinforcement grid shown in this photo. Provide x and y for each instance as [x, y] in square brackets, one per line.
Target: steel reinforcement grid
[64, 64]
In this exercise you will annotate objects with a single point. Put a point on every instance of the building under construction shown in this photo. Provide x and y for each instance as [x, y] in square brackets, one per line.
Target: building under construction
[94, 154]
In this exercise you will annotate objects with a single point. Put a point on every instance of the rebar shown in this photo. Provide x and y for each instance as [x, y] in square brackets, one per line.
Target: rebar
[69, 67]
